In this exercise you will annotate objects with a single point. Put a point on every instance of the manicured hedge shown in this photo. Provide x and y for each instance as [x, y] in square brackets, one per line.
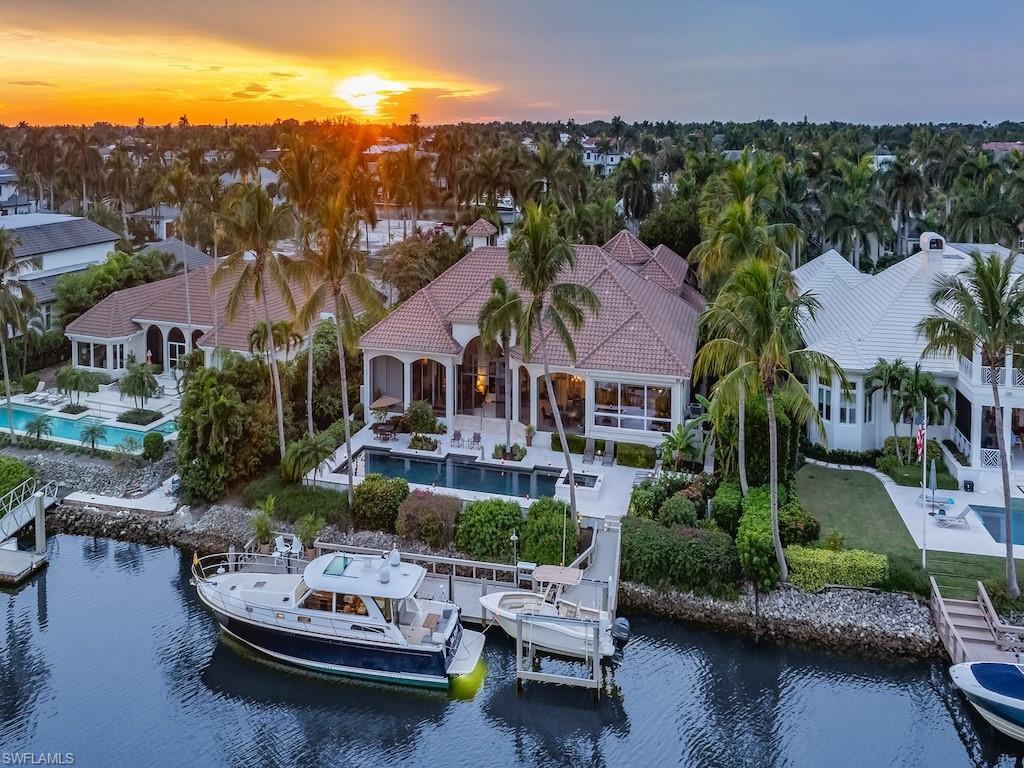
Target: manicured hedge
[635, 455]
[908, 447]
[485, 529]
[139, 416]
[576, 443]
[428, 517]
[754, 540]
[541, 539]
[811, 568]
[690, 559]
[839, 456]
[376, 501]
[727, 505]
[13, 472]
[788, 443]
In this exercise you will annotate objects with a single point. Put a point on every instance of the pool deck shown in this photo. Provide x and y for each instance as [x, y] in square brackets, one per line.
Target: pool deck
[610, 500]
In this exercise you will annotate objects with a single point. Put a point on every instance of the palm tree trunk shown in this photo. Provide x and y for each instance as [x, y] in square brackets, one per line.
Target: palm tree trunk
[896, 440]
[773, 482]
[7, 385]
[309, 385]
[275, 376]
[344, 395]
[506, 343]
[1012, 588]
[741, 442]
[561, 436]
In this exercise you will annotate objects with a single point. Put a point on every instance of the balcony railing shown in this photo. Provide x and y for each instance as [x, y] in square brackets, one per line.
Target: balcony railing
[986, 375]
[962, 443]
[967, 367]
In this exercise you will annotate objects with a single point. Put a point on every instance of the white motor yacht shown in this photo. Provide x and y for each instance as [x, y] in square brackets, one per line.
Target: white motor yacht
[344, 614]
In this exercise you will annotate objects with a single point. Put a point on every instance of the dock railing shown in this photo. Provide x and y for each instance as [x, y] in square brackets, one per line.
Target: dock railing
[945, 628]
[1008, 637]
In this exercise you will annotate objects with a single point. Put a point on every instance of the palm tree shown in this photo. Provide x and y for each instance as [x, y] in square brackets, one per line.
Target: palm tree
[415, 183]
[92, 434]
[73, 382]
[984, 212]
[179, 188]
[633, 185]
[311, 451]
[120, 179]
[920, 388]
[82, 158]
[905, 192]
[243, 159]
[539, 257]
[139, 383]
[16, 299]
[335, 271]
[888, 377]
[498, 320]
[853, 208]
[38, 426]
[303, 180]
[755, 335]
[982, 308]
[617, 128]
[255, 224]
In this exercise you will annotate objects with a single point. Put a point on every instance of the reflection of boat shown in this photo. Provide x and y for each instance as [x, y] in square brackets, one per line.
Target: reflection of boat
[346, 615]
[996, 690]
[573, 638]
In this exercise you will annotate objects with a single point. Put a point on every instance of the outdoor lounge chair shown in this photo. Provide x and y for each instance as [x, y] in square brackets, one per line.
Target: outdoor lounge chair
[609, 453]
[296, 548]
[456, 441]
[476, 440]
[280, 547]
[948, 521]
[588, 451]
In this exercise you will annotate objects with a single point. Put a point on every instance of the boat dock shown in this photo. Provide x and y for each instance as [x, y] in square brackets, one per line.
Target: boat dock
[25, 504]
[971, 630]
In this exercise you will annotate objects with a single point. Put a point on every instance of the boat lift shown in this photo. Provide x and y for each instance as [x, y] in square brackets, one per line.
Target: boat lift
[525, 654]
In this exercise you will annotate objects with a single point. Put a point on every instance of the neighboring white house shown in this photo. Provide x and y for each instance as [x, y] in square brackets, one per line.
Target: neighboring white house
[58, 244]
[602, 162]
[12, 201]
[630, 380]
[864, 318]
[161, 218]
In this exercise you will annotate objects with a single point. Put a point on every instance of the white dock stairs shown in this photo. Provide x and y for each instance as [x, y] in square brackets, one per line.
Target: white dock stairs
[971, 630]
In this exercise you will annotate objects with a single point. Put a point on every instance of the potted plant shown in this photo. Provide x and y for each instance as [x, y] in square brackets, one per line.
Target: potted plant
[263, 524]
[530, 432]
[307, 528]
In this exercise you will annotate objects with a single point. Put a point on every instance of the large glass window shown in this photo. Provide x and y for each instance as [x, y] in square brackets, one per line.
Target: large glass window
[632, 406]
[825, 402]
[85, 353]
[848, 405]
[869, 407]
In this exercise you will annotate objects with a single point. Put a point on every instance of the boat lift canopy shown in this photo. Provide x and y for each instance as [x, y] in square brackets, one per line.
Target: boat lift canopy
[558, 574]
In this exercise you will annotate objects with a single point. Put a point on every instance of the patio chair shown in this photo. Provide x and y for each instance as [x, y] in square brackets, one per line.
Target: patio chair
[476, 440]
[588, 451]
[944, 520]
[456, 441]
[609, 453]
[296, 548]
[280, 546]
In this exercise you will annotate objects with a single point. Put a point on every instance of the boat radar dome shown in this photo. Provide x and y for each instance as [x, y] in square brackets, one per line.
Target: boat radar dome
[385, 575]
[395, 558]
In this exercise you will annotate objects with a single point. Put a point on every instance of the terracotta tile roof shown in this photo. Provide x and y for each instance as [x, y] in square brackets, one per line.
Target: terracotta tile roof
[627, 248]
[128, 311]
[481, 228]
[667, 268]
[640, 328]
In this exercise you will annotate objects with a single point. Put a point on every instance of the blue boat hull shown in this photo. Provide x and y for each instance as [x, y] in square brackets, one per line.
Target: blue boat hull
[343, 657]
[996, 690]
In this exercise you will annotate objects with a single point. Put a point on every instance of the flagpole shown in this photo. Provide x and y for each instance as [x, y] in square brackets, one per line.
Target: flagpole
[924, 486]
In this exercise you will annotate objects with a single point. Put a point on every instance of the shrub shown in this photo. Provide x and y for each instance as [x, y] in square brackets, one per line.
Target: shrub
[996, 588]
[839, 456]
[696, 490]
[811, 568]
[485, 529]
[647, 498]
[293, 500]
[308, 527]
[337, 430]
[542, 532]
[635, 455]
[576, 443]
[678, 510]
[757, 443]
[887, 464]
[695, 559]
[376, 502]
[727, 506]
[516, 452]
[833, 541]
[262, 524]
[908, 447]
[906, 575]
[29, 382]
[420, 442]
[421, 417]
[429, 518]
[153, 446]
[13, 472]
[754, 540]
[139, 416]
[797, 525]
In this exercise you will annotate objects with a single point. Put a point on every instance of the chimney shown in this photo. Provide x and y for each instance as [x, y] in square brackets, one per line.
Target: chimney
[933, 246]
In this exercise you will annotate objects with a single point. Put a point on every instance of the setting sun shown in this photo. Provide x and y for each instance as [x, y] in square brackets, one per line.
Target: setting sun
[365, 92]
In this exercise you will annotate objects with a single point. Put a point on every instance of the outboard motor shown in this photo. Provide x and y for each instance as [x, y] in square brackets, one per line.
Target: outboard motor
[620, 632]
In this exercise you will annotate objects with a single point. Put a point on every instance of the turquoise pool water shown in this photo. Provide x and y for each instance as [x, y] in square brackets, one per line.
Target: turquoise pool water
[71, 429]
[994, 518]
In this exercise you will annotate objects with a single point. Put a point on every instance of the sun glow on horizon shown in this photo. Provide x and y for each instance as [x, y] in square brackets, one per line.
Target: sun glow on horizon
[366, 92]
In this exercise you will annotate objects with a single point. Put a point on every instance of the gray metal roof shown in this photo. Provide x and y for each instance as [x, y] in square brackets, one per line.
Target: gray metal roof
[160, 211]
[181, 251]
[38, 233]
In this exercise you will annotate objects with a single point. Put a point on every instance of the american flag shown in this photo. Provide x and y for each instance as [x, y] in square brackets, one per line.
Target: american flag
[921, 437]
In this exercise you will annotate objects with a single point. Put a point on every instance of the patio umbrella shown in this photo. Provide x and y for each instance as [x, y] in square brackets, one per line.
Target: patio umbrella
[933, 483]
[385, 401]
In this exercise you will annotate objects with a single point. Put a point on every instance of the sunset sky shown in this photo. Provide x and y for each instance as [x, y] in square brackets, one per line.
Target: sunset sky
[255, 60]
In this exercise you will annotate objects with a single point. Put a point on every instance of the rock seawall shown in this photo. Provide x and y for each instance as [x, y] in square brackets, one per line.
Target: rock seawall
[859, 622]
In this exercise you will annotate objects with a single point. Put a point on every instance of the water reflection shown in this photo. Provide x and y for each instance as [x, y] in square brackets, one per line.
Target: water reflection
[112, 646]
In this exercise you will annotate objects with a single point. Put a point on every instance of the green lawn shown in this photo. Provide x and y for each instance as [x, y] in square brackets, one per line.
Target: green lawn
[856, 504]
[910, 474]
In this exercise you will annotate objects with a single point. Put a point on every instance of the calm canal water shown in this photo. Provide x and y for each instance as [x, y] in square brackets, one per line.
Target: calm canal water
[108, 655]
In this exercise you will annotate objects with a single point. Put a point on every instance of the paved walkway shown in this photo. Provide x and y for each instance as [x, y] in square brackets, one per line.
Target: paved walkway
[973, 540]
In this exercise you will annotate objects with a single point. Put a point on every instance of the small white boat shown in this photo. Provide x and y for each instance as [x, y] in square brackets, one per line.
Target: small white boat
[343, 614]
[574, 639]
[996, 690]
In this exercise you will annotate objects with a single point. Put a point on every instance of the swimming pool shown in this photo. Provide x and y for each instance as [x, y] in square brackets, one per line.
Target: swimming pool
[994, 518]
[71, 429]
[461, 472]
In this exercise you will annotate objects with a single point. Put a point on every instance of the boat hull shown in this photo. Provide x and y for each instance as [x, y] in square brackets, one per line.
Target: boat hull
[337, 656]
[1003, 712]
[547, 637]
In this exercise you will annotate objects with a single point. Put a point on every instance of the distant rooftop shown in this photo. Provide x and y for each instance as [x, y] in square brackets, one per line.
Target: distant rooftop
[40, 233]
